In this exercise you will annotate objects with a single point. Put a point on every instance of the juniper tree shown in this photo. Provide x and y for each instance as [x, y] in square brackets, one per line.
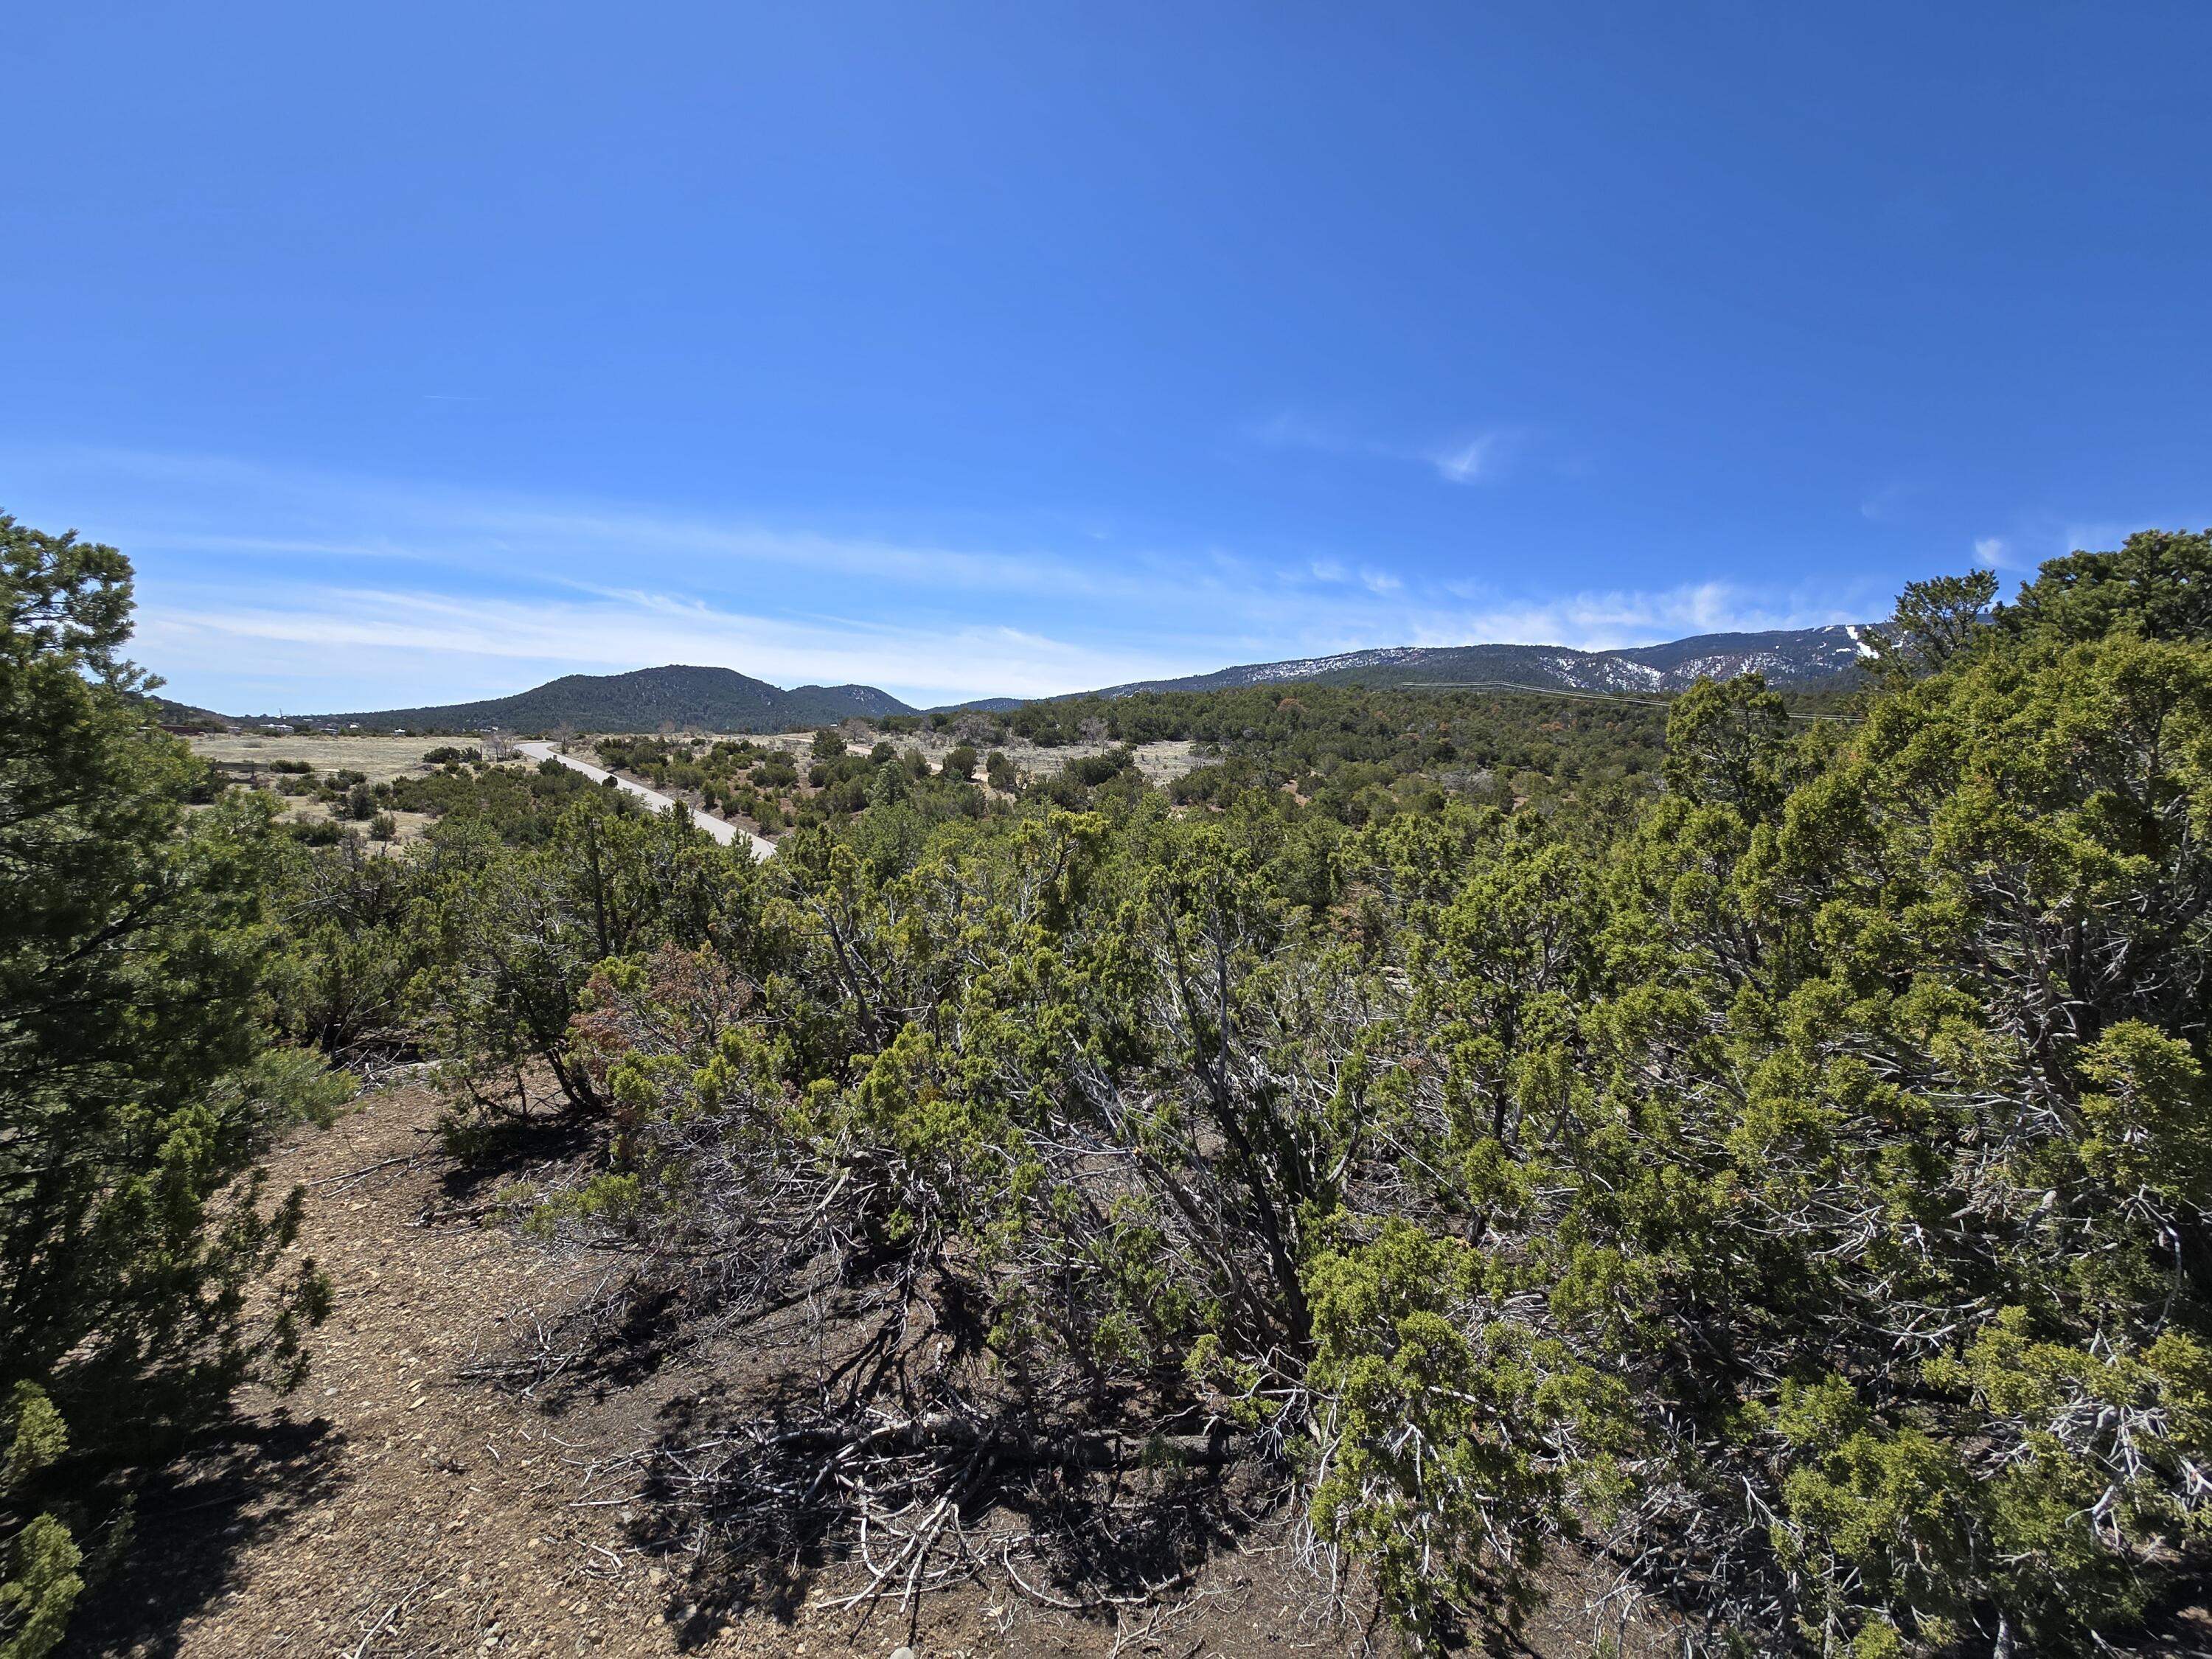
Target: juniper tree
[137, 1082]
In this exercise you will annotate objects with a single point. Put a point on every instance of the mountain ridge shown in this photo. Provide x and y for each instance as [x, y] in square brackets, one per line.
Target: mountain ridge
[1787, 656]
[723, 700]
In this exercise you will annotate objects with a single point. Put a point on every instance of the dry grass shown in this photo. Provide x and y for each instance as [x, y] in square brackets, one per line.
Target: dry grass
[379, 758]
[247, 757]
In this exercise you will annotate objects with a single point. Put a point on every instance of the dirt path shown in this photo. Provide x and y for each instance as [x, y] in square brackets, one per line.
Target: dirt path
[391, 1507]
[396, 1506]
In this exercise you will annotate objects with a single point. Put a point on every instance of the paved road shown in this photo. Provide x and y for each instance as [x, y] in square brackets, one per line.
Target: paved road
[724, 833]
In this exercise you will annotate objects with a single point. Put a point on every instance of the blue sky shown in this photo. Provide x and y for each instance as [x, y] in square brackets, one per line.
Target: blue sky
[418, 352]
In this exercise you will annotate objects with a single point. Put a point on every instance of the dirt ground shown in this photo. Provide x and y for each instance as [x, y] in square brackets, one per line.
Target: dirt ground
[396, 1505]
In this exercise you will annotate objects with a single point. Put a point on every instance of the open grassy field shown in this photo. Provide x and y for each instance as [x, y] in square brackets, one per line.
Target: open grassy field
[248, 757]
[378, 758]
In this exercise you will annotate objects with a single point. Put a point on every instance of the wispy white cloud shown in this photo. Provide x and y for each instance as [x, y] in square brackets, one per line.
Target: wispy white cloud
[1476, 460]
[1610, 619]
[360, 648]
[203, 504]
[1465, 458]
[263, 587]
[1887, 501]
[1990, 552]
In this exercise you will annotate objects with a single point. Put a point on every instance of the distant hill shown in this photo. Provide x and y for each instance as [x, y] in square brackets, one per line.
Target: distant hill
[185, 717]
[1792, 656]
[995, 705]
[717, 699]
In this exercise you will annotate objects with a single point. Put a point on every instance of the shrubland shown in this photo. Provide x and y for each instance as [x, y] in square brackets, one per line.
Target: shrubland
[1763, 1156]
[1358, 755]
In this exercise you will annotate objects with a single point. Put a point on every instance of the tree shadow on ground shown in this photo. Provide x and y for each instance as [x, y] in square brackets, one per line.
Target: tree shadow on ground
[508, 1147]
[742, 1480]
[195, 1517]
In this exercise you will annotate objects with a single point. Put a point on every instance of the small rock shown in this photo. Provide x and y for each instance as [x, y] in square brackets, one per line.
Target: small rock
[903, 1653]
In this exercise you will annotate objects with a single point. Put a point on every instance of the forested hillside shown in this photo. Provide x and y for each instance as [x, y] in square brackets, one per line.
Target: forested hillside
[718, 699]
[1763, 1155]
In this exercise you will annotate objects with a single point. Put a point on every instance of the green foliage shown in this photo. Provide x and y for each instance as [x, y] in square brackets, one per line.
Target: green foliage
[520, 803]
[762, 782]
[2157, 586]
[137, 1083]
[1361, 756]
[507, 937]
[38, 1578]
[350, 948]
[1935, 621]
[1724, 745]
[1457, 1442]
[41, 1586]
[1797, 1178]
